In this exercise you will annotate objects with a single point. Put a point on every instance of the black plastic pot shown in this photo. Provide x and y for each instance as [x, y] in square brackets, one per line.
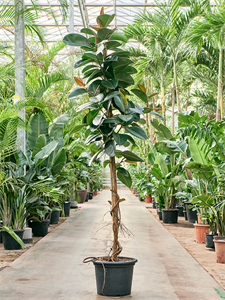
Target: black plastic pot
[40, 228]
[115, 278]
[90, 195]
[185, 215]
[180, 210]
[209, 240]
[153, 205]
[1, 236]
[191, 214]
[87, 197]
[141, 199]
[159, 213]
[54, 219]
[9, 242]
[66, 208]
[170, 215]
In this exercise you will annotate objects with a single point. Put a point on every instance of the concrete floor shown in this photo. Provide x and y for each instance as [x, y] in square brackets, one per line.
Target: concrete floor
[53, 268]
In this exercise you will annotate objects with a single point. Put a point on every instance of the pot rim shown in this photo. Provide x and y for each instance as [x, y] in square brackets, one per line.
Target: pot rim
[174, 209]
[222, 241]
[130, 262]
[201, 225]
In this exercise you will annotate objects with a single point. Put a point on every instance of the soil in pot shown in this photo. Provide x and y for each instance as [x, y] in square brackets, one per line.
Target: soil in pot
[114, 278]
[170, 215]
[200, 230]
[191, 214]
[40, 228]
[54, 219]
[9, 242]
[148, 199]
[220, 250]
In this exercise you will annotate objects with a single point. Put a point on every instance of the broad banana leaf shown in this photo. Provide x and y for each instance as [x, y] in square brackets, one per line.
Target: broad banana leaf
[45, 153]
[162, 165]
[37, 126]
[59, 162]
[40, 143]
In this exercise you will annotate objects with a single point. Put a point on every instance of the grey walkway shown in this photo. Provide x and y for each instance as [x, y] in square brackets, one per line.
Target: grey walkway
[53, 268]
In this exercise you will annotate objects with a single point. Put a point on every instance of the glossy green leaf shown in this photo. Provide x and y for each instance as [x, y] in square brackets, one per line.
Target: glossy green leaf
[104, 33]
[128, 69]
[82, 62]
[118, 36]
[124, 176]
[137, 131]
[118, 102]
[88, 68]
[89, 55]
[111, 58]
[106, 163]
[111, 120]
[162, 165]
[142, 121]
[92, 137]
[75, 39]
[157, 115]
[121, 63]
[110, 84]
[111, 95]
[77, 91]
[166, 133]
[105, 19]
[87, 105]
[110, 148]
[126, 118]
[119, 138]
[125, 77]
[87, 31]
[131, 156]
[140, 94]
[112, 45]
[147, 110]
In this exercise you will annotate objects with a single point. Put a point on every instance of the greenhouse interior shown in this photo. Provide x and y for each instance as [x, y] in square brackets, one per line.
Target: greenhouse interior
[112, 150]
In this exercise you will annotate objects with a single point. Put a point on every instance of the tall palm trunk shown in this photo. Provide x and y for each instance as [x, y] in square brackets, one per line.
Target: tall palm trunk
[173, 104]
[219, 108]
[176, 86]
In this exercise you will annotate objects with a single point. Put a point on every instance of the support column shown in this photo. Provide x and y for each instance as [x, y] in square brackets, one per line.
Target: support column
[20, 67]
[71, 16]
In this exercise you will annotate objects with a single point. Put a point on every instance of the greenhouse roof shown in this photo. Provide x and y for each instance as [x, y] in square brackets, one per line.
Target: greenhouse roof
[83, 14]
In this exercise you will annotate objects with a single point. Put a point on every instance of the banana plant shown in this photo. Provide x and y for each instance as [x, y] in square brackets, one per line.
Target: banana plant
[111, 117]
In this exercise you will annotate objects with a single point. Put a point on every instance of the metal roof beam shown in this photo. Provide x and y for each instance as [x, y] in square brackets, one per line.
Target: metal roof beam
[83, 12]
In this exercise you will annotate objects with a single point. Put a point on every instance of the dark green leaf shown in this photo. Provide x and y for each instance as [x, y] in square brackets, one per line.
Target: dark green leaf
[40, 143]
[140, 94]
[87, 31]
[128, 69]
[120, 138]
[125, 77]
[112, 44]
[111, 58]
[81, 63]
[137, 131]
[118, 102]
[131, 156]
[106, 163]
[110, 84]
[105, 20]
[157, 115]
[104, 33]
[77, 91]
[126, 118]
[37, 126]
[110, 148]
[118, 36]
[124, 176]
[111, 95]
[87, 105]
[147, 110]
[75, 39]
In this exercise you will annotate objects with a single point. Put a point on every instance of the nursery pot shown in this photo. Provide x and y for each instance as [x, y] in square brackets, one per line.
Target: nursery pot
[87, 197]
[9, 242]
[40, 228]
[54, 219]
[148, 199]
[159, 213]
[209, 240]
[185, 215]
[66, 208]
[191, 214]
[114, 278]
[73, 204]
[153, 204]
[200, 230]
[133, 191]
[140, 198]
[90, 195]
[220, 250]
[95, 193]
[170, 215]
[180, 210]
[1, 236]
[82, 194]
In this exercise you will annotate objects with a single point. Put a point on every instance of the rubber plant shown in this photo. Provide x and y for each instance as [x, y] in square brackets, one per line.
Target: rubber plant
[112, 115]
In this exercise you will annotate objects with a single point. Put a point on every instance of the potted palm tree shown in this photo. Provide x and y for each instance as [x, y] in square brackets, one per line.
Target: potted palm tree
[112, 118]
